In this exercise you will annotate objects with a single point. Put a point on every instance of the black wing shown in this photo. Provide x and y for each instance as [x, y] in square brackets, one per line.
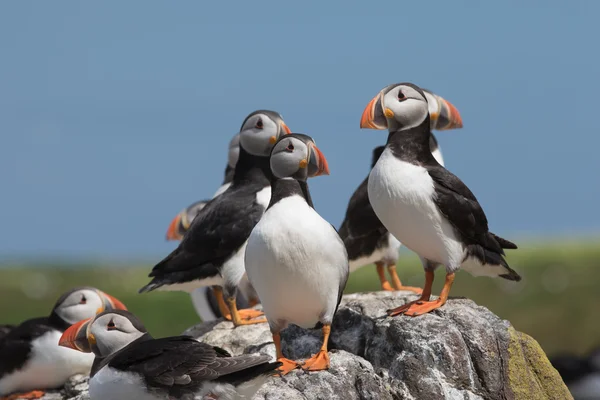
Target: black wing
[216, 233]
[5, 329]
[361, 230]
[460, 207]
[15, 346]
[180, 364]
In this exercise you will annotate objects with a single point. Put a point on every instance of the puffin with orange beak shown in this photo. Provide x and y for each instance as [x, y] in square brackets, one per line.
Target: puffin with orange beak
[430, 210]
[295, 259]
[211, 252]
[367, 240]
[131, 364]
[30, 358]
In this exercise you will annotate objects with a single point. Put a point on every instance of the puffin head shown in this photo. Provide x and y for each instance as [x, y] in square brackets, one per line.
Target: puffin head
[84, 302]
[182, 221]
[260, 131]
[297, 156]
[103, 334]
[233, 152]
[403, 106]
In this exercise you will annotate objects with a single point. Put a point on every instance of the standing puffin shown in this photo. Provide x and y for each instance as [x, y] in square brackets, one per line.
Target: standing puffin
[130, 364]
[366, 239]
[430, 210]
[295, 259]
[30, 358]
[212, 251]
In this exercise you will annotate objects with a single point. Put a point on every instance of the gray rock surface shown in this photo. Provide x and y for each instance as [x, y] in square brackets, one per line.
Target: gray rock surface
[461, 351]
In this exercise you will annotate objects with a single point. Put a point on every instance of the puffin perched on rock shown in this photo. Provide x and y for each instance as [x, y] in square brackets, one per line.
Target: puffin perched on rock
[212, 251]
[295, 259]
[130, 364]
[430, 210]
[366, 239]
[30, 358]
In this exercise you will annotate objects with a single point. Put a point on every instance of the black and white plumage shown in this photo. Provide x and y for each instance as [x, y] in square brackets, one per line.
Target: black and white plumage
[212, 251]
[367, 241]
[30, 358]
[580, 374]
[130, 364]
[430, 210]
[295, 259]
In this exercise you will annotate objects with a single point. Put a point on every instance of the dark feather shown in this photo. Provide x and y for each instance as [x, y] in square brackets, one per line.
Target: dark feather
[15, 346]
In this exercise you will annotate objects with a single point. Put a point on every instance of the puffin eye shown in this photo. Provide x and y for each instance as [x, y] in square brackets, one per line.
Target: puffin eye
[83, 300]
[290, 147]
[401, 95]
[111, 325]
[259, 124]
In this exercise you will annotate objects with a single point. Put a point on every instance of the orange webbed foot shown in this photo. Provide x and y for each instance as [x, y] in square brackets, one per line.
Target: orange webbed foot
[416, 290]
[387, 287]
[318, 362]
[249, 313]
[34, 394]
[423, 307]
[400, 310]
[287, 367]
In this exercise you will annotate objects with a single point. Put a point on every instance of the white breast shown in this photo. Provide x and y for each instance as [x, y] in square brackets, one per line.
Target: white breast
[112, 384]
[295, 261]
[402, 196]
[48, 367]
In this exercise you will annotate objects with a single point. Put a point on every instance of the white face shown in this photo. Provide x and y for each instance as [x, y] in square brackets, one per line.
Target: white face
[258, 134]
[79, 305]
[287, 156]
[112, 332]
[404, 108]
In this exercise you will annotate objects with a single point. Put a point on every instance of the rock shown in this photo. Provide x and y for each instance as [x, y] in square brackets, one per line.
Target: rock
[461, 351]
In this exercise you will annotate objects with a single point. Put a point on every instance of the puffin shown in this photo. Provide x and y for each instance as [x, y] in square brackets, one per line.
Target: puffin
[295, 259]
[211, 253]
[580, 374]
[182, 221]
[130, 364]
[366, 239]
[425, 206]
[31, 360]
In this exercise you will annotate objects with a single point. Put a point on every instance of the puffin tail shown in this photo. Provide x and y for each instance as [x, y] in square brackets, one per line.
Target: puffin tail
[505, 244]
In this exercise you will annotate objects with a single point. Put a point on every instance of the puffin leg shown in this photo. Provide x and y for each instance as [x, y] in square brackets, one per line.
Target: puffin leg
[34, 394]
[319, 361]
[423, 307]
[425, 296]
[398, 284]
[221, 302]
[385, 285]
[288, 365]
[242, 317]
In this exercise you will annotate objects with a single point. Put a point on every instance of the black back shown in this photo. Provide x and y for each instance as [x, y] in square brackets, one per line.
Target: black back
[179, 366]
[453, 198]
[219, 229]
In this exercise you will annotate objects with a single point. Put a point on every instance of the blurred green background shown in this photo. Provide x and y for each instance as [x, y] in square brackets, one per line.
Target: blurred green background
[556, 302]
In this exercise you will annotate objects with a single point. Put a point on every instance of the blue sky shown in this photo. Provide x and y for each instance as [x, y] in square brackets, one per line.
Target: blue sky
[115, 115]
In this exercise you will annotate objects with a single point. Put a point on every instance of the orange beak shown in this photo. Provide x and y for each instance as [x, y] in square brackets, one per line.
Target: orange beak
[173, 231]
[112, 303]
[285, 128]
[372, 116]
[449, 117]
[318, 162]
[75, 337]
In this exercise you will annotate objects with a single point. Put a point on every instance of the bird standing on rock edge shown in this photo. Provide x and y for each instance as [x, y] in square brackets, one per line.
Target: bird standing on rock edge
[212, 251]
[295, 259]
[30, 358]
[366, 239]
[130, 364]
[430, 210]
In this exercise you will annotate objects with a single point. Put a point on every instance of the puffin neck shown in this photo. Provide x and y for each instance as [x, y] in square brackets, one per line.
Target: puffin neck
[412, 144]
[55, 321]
[100, 362]
[282, 188]
[228, 174]
[252, 168]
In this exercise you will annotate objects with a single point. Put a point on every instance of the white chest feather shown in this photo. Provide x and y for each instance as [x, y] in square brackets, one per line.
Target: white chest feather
[402, 196]
[49, 366]
[296, 261]
[112, 384]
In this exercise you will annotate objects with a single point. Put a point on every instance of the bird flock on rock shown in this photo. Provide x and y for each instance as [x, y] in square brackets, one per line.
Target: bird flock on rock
[260, 240]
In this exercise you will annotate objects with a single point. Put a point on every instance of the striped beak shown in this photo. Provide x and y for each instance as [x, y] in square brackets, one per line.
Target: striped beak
[443, 114]
[317, 164]
[173, 231]
[110, 303]
[76, 337]
[373, 116]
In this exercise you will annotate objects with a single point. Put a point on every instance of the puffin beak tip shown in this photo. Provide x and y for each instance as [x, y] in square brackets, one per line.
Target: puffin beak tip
[173, 231]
